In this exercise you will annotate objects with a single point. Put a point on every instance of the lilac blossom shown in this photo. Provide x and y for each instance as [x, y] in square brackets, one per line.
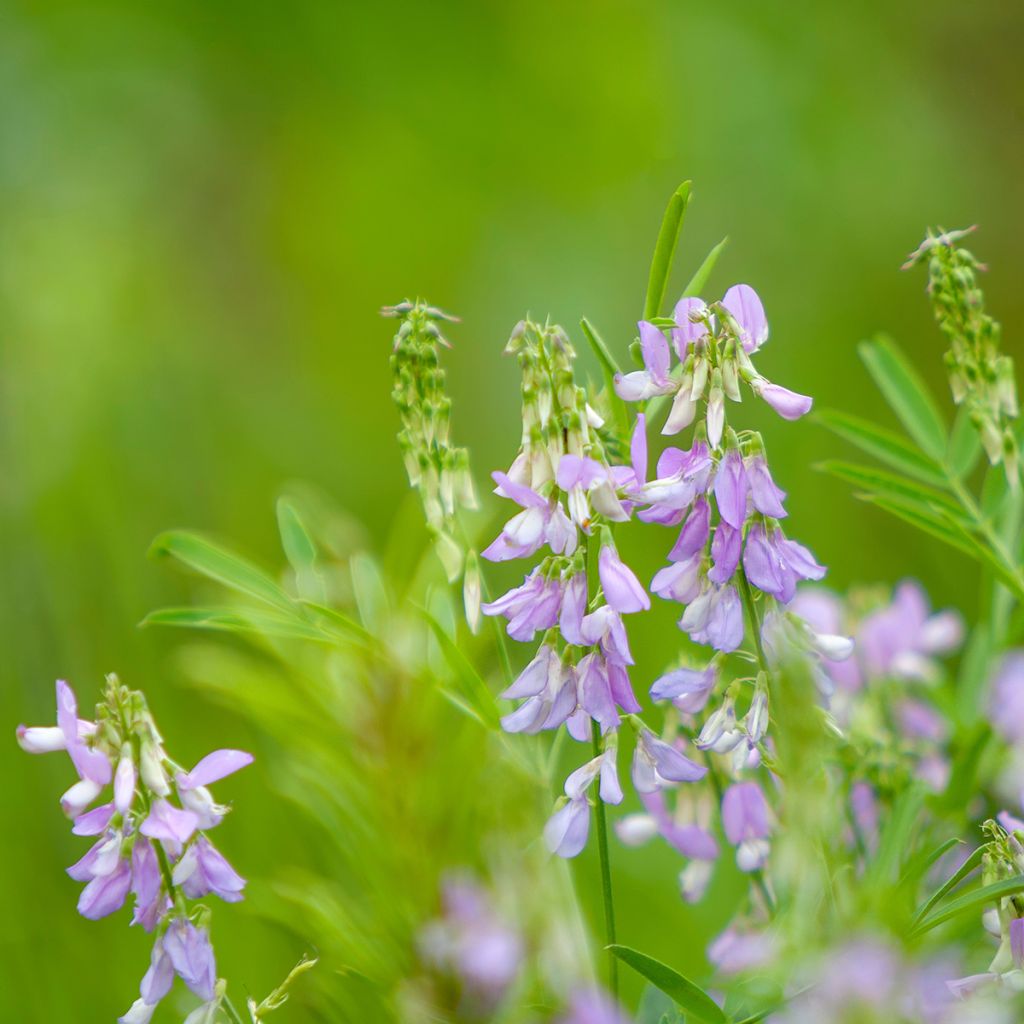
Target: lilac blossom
[474, 944]
[146, 844]
[541, 522]
[591, 1006]
[775, 565]
[1006, 703]
[567, 829]
[622, 590]
[653, 379]
[736, 952]
[688, 689]
[745, 820]
[656, 764]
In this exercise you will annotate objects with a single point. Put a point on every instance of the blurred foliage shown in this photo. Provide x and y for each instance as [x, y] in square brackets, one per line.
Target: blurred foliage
[202, 208]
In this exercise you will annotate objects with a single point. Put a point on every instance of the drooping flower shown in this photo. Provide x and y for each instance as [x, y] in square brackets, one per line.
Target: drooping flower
[653, 379]
[745, 820]
[656, 764]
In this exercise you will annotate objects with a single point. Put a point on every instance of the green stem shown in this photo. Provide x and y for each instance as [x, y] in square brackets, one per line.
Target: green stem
[601, 823]
[232, 1012]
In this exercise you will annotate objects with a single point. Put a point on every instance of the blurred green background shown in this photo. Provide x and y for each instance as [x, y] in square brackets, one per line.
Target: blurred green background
[203, 205]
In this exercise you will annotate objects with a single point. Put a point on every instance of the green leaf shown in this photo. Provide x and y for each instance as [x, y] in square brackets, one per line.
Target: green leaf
[665, 250]
[892, 485]
[235, 620]
[217, 563]
[300, 549]
[930, 523]
[474, 695]
[919, 864]
[339, 622]
[964, 448]
[693, 999]
[895, 837]
[609, 368]
[972, 901]
[370, 593]
[696, 283]
[884, 445]
[951, 883]
[906, 393]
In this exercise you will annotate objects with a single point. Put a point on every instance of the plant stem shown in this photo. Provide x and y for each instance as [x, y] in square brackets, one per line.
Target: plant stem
[601, 824]
[232, 1012]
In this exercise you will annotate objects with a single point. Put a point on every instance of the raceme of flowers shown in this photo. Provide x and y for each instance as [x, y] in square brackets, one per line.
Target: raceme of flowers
[151, 834]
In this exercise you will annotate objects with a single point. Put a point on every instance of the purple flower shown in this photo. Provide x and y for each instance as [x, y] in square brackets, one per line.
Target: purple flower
[765, 496]
[746, 826]
[622, 590]
[688, 689]
[169, 823]
[679, 581]
[725, 551]
[655, 764]
[573, 608]
[681, 477]
[214, 767]
[147, 885]
[550, 687]
[124, 783]
[900, 639]
[590, 1006]
[731, 489]
[736, 952]
[653, 379]
[541, 522]
[822, 612]
[106, 893]
[715, 618]
[694, 533]
[191, 955]
[532, 606]
[566, 830]
[93, 822]
[595, 692]
[203, 870]
[474, 944]
[746, 309]
[688, 839]
[788, 404]
[1006, 704]
[688, 330]
[774, 564]
[622, 688]
[604, 626]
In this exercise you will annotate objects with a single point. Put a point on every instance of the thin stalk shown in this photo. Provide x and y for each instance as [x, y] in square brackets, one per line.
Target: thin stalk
[755, 628]
[601, 824]
[232, 1012]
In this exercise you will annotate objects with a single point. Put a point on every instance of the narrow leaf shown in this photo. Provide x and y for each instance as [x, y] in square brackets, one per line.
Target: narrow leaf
[474, 695]
[370, 593]
[609, 368]
[217, 563]
[895, 836]
[235, 620]
[964, 448]
[972, 902]
[906, 393]
[930, 523]
[909, 492]
[693, 999]
[665, 250]
[951, 883]
[700, 278]
[884, 445]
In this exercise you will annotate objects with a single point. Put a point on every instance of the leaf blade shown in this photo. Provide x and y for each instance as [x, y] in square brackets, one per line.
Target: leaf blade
[906, 393]
[692, 998]
[665, 249]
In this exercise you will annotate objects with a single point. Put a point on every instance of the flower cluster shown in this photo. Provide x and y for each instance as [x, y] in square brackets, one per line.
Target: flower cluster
[152, 839]
[979, 374]
[439, 471]
[720, 490]
[567, 489]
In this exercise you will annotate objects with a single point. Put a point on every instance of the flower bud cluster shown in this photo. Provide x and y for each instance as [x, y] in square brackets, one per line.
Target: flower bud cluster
[439, 471]
[979, 374]
[152, 839]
